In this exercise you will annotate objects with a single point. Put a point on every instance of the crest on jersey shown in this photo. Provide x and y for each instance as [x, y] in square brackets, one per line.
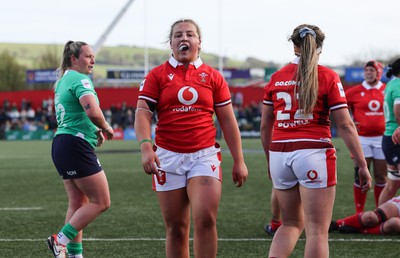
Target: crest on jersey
[203, 77]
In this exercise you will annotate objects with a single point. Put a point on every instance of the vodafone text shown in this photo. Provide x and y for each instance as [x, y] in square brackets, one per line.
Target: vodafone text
[186, 109]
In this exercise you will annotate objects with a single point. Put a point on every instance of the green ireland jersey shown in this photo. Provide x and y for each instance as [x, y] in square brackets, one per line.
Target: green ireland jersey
[392, 98]
[71, 117]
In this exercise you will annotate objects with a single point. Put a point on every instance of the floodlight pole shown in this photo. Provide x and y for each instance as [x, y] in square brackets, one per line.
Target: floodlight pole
[220, 56]
[146, 48]
[100, 42]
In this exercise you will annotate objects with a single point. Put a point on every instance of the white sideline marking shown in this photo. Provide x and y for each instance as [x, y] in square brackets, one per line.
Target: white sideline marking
[220, 239]
[20, 208]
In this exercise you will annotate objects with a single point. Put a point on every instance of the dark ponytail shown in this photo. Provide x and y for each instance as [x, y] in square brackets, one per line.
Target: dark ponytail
[394, 69]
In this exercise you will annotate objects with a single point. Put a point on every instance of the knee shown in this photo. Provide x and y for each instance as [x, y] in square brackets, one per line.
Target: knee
[106, 204]
[369, 219]
[298, 223]
[103, 203]
[205, 221]
[380, 179]
[392, 226]
[177, 229]
[296, 228]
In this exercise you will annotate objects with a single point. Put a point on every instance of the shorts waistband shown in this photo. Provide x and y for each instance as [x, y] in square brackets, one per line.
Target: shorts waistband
[299, 145]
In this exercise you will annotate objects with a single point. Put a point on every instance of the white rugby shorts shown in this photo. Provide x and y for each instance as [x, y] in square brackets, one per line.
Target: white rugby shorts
[311, 168]
[177, 168]
[372, 147]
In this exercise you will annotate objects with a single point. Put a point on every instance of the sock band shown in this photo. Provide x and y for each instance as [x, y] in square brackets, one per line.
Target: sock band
[381, 215]
[69, 231]
[75, 248]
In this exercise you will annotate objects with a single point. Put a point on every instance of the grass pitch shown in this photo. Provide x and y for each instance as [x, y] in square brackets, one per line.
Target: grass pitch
[33, 204]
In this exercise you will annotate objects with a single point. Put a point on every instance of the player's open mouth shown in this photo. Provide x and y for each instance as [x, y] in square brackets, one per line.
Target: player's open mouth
[183, 47]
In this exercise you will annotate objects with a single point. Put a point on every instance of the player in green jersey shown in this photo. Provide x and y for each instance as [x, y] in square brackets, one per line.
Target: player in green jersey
[389, 143]
[81, 128]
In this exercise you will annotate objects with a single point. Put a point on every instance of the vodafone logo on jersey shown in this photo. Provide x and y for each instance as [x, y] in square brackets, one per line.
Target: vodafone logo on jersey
[188, 95]
[374, 105]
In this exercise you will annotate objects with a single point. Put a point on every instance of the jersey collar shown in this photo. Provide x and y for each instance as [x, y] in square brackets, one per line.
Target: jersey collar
[172, 61]
[369, 87]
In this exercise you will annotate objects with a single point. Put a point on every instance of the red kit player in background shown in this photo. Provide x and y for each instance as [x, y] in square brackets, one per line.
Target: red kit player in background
[365, 102]
[296, 137]
[185, 160]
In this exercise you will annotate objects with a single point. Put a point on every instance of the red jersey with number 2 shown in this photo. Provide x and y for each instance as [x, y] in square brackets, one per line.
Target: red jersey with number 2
[290, 123]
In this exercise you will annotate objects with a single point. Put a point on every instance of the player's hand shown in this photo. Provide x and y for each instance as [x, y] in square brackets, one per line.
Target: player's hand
[150, 161]
[239, 174]
[365, 179]
[109, 131]
[100, 137]
[396, 136]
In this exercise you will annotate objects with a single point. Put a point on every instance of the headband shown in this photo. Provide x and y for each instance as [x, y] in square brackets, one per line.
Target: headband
[306, 30]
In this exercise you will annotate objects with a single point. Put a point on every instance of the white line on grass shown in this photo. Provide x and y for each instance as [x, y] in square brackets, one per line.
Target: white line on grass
[20, 208]
[220, 239]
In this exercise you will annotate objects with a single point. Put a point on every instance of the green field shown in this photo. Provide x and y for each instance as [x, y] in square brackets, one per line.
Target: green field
[33, 204]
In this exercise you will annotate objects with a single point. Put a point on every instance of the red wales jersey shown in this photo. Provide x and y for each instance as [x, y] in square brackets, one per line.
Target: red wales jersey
[290, 123]
[366, 104]
[185, 101]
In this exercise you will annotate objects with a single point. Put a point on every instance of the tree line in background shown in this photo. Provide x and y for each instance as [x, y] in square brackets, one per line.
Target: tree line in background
[17, 58]
[13, 73]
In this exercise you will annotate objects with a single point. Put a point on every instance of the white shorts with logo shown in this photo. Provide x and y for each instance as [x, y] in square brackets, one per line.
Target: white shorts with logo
[311, 168]
[178, 168]
[372, 147]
